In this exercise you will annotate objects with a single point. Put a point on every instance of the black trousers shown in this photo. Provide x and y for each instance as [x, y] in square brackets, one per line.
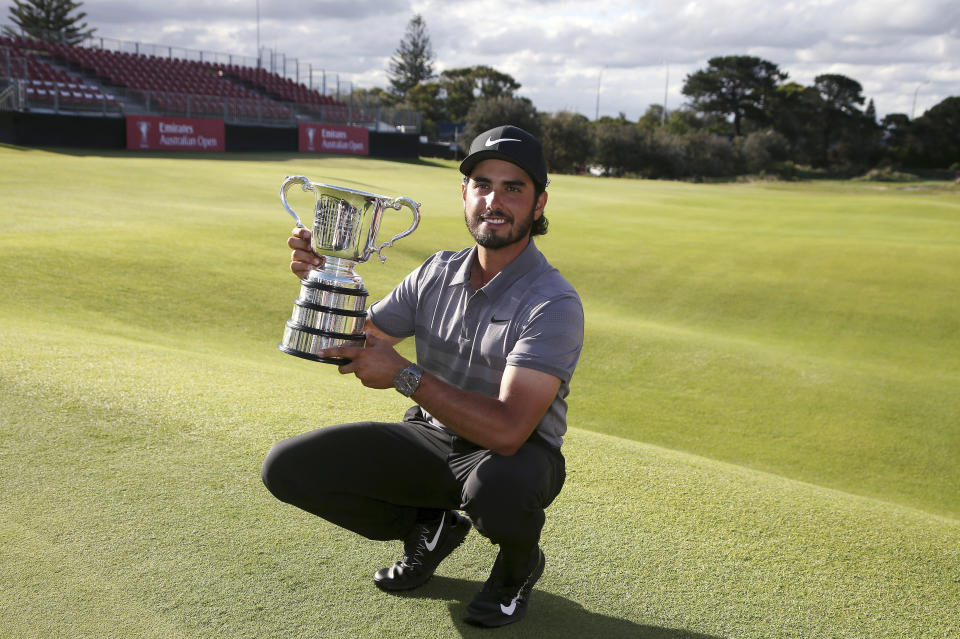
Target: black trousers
[378, 479]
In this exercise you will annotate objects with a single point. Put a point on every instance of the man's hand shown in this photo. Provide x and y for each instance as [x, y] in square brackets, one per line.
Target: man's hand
[375, 365]
[303, 259]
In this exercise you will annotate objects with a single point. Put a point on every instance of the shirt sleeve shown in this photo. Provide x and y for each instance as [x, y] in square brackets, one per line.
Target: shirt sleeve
[552, 338]
[396, 314]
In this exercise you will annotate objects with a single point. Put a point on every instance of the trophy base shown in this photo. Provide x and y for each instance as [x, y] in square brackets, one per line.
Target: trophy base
[338, 361]
[306, 342]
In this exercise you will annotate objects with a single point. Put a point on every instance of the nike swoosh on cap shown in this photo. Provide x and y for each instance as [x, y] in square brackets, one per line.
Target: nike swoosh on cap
[491, 142]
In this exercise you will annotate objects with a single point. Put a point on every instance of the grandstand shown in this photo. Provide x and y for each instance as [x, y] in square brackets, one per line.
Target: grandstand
[45, 77]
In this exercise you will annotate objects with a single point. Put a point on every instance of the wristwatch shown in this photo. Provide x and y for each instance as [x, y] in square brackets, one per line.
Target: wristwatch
[407, 381]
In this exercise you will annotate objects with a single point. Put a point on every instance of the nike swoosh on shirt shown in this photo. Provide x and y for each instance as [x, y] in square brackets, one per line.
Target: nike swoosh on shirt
[491, 142]
[433, 543]
[509, 610]
[497, 320]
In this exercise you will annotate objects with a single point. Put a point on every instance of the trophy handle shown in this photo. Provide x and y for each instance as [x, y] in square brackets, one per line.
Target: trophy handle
[287, 183]
[398, 204]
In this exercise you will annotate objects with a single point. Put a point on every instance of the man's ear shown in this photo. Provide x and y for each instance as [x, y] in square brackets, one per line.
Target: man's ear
[541, 205]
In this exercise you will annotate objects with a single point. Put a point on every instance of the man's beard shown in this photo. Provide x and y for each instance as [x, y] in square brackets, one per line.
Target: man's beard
[521, 230]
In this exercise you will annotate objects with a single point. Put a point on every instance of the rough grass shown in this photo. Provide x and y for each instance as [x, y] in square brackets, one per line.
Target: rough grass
[780, 333]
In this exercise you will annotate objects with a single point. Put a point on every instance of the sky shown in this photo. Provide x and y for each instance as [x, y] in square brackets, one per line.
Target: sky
[595, 57]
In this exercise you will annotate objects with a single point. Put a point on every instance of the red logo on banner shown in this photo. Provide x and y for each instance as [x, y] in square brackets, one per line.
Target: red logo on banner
[175, 134]
[333, 138]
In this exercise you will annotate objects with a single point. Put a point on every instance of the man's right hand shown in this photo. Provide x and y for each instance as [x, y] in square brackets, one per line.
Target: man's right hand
[303, 259]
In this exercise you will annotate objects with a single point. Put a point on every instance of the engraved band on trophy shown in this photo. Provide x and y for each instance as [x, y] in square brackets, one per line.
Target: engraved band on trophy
[331, 309]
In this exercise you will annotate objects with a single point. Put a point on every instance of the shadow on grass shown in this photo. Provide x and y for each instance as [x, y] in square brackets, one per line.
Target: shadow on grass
[549, 615]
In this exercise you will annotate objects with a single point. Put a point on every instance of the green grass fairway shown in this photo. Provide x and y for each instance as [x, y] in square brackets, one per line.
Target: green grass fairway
[765, 424]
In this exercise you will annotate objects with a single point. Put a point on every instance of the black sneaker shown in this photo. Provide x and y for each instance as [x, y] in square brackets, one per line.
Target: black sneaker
[423, 550]
[498, 604]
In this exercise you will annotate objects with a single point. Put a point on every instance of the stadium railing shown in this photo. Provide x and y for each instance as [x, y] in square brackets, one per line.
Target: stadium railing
[44, 77]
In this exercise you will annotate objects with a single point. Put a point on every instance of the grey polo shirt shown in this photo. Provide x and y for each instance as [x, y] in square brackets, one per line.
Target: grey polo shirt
[527, 316]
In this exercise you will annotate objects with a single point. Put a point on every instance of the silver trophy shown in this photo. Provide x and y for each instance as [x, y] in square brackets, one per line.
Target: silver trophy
[331, 309]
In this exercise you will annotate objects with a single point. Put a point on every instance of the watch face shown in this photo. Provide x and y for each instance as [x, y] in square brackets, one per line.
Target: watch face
[407, 381]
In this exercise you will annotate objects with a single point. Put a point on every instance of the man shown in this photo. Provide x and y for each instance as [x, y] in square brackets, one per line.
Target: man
[498, 334]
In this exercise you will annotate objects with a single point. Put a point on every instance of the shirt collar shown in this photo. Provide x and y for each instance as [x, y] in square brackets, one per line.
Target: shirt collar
[528, 259]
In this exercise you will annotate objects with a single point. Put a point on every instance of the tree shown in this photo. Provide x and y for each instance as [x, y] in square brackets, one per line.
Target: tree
[764, 151]
[652, 119]
[425, 98]
[617, 146]
[664, 156]
[795, 110]
[375, 97]
[412, 62]
[709, 155]
[738, 86]
[49, 20]
[566, 141]
[895, 136]
[682, 121]
[609, 119]
[464, 86]
[491, 112]
[849, 136]
[937, 135]
[839, 93]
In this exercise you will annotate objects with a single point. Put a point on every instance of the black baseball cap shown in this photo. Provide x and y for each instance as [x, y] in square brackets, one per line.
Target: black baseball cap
[510, 143]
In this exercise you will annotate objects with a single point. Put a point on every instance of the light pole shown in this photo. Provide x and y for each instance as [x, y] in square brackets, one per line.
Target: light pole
[913, 109]
[258, 34]
[666, 87]
[596, 115]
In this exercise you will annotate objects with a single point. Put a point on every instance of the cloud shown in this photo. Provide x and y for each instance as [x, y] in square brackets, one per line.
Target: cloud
[558, 49]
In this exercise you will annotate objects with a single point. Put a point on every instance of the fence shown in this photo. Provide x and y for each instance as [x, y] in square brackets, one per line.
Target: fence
[68, 98]
[316, 79]
[64, 94]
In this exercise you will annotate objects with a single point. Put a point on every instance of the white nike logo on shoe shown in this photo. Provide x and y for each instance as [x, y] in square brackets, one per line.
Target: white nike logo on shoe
[491, 142]
[509, 610]
[433, 543]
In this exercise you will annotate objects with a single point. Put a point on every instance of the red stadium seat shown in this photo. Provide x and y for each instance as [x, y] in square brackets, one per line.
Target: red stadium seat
[217, 89]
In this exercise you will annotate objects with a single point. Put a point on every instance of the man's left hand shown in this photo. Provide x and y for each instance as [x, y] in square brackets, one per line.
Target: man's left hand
[375, 364]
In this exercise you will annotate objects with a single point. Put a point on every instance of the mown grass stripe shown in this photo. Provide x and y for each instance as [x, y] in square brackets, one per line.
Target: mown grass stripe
[750, 335]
